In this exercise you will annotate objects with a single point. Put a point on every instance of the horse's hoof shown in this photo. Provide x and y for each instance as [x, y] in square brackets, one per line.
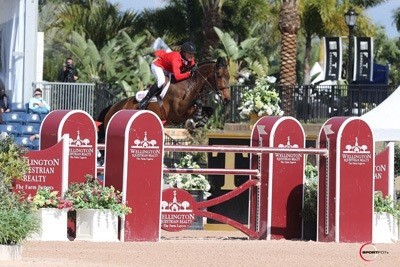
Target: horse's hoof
[190, 125]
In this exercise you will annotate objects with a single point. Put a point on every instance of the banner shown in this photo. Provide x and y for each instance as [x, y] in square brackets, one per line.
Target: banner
[333, 58]
[363, 59]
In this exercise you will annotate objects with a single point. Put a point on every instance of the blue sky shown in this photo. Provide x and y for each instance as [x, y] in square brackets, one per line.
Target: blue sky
[382, 14]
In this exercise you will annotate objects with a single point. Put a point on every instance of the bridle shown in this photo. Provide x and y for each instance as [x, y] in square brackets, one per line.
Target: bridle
[217, 90]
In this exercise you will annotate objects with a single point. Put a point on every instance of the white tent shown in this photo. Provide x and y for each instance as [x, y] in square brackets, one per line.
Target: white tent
[384, 120]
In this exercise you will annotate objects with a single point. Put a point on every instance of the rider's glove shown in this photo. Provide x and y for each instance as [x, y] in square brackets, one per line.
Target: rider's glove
[193, 70]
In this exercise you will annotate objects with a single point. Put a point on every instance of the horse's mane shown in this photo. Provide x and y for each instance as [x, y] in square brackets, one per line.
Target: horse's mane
[221, 62]
[206, 63]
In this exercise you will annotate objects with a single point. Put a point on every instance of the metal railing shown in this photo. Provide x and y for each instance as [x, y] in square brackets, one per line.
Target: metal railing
[68, 95]
[315, 104]
[169, 156]
[90, 97]
[312, 104]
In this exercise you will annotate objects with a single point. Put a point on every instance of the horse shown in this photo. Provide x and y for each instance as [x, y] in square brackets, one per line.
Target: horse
[183, 98]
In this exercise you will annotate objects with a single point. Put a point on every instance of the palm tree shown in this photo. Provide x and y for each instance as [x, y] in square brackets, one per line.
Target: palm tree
[100, 31]
[396, 18]
[212, 17]
[97, 20]
[289, 25]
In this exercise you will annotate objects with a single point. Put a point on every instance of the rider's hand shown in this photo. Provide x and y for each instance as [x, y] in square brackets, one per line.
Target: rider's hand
[193, 70]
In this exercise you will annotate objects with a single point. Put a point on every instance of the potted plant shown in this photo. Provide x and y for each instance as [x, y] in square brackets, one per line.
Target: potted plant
[52, 212]
[196, 184]
[309, 211]
[386, 214]
[17, 220]
[260, 100]
[188, 182]
[97, 209]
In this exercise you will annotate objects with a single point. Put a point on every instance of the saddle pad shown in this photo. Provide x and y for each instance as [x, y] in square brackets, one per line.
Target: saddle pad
[141, 94]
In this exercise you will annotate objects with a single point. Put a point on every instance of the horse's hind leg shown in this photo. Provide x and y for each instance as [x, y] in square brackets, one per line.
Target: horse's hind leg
[101, 134]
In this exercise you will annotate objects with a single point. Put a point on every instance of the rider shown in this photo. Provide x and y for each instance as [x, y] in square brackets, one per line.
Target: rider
[175, 63]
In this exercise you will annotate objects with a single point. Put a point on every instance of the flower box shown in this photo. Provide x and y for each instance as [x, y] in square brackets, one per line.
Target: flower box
[261, 100]
[96, 225]
[53, 225]
[10, 252]
[384, 228]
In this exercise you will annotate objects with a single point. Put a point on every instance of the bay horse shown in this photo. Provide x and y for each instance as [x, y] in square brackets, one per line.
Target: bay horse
[183, 98]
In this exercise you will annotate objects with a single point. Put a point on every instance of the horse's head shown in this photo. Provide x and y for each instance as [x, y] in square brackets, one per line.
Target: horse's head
[221, 75]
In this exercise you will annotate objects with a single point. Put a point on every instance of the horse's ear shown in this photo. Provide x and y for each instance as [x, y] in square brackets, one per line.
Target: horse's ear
[221, 62]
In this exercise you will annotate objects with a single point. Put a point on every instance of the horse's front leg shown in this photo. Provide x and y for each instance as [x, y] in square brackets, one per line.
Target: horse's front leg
[198, 110]
[205, 116]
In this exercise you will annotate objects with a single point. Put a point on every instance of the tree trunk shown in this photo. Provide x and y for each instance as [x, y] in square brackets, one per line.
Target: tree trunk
[212, 18]
[289, 24]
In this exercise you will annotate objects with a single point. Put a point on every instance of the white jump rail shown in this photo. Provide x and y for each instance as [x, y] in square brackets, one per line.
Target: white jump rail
[230, 149]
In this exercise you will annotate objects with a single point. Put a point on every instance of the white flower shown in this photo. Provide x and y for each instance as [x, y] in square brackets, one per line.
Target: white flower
[271, 79]
[188, 181]
[262, 99]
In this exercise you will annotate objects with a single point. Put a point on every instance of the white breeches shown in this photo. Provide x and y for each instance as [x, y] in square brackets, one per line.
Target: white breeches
[158, 72]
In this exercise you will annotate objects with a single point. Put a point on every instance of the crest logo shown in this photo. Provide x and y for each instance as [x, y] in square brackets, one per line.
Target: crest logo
[78, 142]
[80, 148]
[356, 154]
[356, 148]
[288, 158]
[288, 145]
[176, 209]
[145, 143]
[175, 205]
[146, 149]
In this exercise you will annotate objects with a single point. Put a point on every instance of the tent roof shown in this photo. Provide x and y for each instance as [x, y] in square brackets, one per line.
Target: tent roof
[384, 120]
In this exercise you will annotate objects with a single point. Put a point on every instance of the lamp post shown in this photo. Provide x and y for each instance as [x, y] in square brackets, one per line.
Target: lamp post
[351, 21]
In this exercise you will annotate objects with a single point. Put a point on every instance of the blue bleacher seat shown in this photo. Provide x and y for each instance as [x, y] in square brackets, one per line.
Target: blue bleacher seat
[28, 130]
[18, 107]
[23, 141]
[11, 117]
[29, 118]
[10, 129]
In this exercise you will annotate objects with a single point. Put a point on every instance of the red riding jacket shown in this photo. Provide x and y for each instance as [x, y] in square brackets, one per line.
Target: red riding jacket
[174, 63]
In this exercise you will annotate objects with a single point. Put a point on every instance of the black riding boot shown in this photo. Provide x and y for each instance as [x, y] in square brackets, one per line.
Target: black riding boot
[145, 101]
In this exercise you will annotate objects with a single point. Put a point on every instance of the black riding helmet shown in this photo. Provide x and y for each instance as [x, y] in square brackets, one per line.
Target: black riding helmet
[188, 47]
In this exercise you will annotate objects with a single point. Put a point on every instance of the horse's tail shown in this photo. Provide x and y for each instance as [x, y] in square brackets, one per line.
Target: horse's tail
[101, 129]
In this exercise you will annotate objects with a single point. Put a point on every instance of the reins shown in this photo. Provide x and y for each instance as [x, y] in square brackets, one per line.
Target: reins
[208, 91]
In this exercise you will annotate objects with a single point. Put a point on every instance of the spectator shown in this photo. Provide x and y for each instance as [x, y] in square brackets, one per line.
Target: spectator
[68, 73]
[33, 137]
[37, 104]
[4, 101]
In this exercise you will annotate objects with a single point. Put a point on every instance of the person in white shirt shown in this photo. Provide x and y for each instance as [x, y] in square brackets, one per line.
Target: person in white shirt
[37, 104]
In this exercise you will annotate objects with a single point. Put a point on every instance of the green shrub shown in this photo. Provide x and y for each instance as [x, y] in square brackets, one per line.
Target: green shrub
[12, 163]
[17, 219]
[309, 211]
[385, 204]
[396, 160]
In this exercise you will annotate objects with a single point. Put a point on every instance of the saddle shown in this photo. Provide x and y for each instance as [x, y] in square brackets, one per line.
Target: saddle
[158, 96]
